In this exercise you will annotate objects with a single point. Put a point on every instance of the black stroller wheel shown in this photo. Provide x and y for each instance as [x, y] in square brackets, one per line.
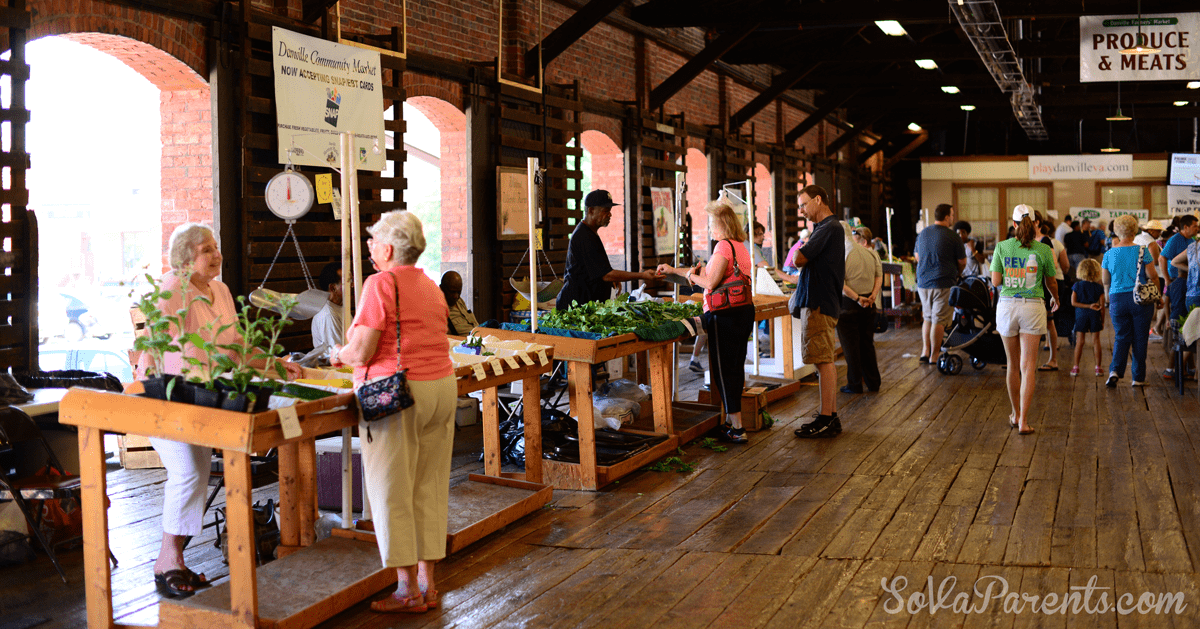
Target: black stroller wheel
[954, 364]
[942, 365]
[978, 364]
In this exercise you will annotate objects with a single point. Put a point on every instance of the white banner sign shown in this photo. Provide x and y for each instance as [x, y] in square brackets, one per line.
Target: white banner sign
[1106, 216]
[323, 89]
[1103, 37]
[1054, 167]
[1183, 200]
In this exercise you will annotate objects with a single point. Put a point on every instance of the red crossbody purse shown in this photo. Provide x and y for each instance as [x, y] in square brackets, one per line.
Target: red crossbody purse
[733, 292]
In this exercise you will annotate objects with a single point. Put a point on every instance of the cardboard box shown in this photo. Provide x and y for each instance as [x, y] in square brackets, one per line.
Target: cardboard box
[137, 454]
[329, 473]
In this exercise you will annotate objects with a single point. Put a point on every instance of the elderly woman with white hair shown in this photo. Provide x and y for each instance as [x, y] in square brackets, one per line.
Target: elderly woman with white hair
[195, 263]
[856, 324]
[1122, 264]
[406, 457]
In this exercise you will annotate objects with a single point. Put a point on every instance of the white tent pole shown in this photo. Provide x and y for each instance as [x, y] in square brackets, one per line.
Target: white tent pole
[531, 176]
[349, 258]
[753, 270]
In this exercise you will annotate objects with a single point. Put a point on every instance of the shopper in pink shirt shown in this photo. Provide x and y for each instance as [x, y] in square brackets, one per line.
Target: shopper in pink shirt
[407, 459]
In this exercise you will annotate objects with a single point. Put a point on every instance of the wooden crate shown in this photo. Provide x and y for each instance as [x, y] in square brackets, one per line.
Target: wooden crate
[137, 454]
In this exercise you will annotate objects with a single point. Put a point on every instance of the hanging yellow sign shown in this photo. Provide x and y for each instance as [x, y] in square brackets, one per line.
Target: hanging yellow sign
[324, 186]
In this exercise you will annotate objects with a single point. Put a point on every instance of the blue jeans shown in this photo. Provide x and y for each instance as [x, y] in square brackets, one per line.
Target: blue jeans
[1131, 327]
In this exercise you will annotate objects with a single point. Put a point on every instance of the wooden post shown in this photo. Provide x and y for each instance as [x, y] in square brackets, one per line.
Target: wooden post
[491, 432]
[98, 577]
[289, 499]
[579, 379]
[660, 378]
[306, 480]
[243, 583]
[531, 402]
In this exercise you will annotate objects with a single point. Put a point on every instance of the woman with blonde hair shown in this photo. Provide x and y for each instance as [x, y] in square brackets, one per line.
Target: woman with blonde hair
[1024, 270]
[728, 329]
[1122, 264]
[1087, 295]
[406, 456]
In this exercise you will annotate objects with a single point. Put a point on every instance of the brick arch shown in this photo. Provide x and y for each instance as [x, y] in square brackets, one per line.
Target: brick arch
[610, 127]
[419, 85]
[186, 187]
[697, 198]
[451, 124]
[608, 173]
[184, 41]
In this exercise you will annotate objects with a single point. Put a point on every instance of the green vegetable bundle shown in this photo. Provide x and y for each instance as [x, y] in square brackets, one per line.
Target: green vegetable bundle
[618, 315]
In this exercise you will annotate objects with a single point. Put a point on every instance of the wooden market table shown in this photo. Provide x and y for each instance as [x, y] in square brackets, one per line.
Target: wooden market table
[580, 355]
[775, 309]
[280, 594]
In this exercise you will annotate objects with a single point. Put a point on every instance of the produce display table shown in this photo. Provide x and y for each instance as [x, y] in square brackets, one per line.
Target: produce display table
[775, 309]
[580, 355]
[284, 592]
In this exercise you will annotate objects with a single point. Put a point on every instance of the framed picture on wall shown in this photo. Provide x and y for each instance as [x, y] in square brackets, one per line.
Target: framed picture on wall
[665, 234]
[512, 203]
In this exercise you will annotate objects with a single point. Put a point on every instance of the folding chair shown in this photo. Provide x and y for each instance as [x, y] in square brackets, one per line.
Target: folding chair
[18, 428]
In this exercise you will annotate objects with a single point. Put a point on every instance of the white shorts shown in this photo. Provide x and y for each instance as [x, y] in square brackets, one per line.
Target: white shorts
[1015, 315]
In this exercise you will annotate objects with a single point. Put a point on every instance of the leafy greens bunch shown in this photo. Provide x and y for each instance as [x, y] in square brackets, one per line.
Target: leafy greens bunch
[618, 315]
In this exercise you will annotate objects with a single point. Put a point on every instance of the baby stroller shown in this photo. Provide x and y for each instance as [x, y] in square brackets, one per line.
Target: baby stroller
[973, 329]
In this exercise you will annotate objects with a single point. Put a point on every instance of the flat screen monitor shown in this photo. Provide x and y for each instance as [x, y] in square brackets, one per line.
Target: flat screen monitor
[1185, 170]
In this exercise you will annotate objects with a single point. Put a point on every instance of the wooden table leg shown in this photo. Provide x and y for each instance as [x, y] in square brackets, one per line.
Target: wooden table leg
[580, 382]
[289, 499]
[531, 400]
[660, 387]
[97, 574]
[789, 363]
[243, 583]
[491, 432]
[306, 480]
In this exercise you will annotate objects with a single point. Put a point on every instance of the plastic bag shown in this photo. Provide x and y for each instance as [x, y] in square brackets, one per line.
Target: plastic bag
[626, 389]
[325, 524]
[612, 412]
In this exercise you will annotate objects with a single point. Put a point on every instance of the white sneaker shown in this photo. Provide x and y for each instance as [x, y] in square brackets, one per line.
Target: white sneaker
[1136, 383]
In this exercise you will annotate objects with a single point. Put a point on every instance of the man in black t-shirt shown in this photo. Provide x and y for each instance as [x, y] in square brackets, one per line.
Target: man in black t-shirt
[817, 302]
[589, 276]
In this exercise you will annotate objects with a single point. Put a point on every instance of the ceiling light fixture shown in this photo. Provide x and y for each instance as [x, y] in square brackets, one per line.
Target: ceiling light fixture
[1181, 103]
[1110, 148]
[891, 27]
[967, 107]
[912, 126]
[950, 89]
[926, 64]
[1119, 115]
[1140, 45]
[1193, 85]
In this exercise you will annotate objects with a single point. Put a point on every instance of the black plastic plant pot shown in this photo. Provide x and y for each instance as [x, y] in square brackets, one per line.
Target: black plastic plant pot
[208, 398]
[240, 402]
[156, 388]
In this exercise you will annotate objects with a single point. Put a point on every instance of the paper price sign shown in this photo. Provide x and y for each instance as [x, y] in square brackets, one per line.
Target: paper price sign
[290, 422]
[324, 185]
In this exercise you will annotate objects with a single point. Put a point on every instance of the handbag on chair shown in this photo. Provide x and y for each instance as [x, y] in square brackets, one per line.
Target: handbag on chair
[390, 395]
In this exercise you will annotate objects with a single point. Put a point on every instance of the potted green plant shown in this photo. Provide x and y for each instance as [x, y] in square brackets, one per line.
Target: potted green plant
[258, 340]
[159, 337]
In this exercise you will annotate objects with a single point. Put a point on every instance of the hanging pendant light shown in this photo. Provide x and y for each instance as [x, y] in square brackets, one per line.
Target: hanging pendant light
[1141, 46]
[1119, 116]
[1110, 148]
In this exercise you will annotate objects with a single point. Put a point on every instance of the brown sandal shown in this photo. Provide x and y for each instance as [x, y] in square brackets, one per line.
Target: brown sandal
[400, 605]
[431, 599]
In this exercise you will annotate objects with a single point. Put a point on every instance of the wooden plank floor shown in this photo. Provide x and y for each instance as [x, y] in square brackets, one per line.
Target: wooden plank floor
[926, 485]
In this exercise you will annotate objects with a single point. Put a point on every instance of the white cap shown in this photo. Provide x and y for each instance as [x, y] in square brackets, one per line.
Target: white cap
[1020, 212]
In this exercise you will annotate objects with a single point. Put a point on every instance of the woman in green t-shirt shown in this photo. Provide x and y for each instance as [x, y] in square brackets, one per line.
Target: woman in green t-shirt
[1023, 269]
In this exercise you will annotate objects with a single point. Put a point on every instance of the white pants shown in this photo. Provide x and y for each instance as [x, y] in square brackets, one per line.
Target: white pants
[407, 469]
[188, 468]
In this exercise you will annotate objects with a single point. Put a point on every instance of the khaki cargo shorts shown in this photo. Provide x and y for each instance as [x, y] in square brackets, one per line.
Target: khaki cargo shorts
[816, 336]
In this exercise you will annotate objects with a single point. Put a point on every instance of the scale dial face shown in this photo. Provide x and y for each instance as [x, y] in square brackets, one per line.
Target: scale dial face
[290, 195]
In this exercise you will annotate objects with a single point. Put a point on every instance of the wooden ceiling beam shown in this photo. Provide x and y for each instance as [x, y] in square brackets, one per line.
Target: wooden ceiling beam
[697, 64]
[567, 33]
[314, 9]
[779, 84]
[902, 153]
[815, 118]
[836, 145]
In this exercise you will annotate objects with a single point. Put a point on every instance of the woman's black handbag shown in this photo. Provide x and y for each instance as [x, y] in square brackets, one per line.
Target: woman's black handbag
[1148, 292]
[390, 395]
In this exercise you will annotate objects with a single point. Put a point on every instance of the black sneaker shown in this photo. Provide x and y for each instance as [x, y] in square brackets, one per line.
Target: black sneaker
[729, 434]
[823, 427]
[1112, 381]
[695, 367]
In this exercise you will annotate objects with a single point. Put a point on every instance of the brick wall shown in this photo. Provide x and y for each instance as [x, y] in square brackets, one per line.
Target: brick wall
[452, 125]
[187, 187]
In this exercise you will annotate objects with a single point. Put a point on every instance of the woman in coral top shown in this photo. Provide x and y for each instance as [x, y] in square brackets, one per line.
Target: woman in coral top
[406, 456]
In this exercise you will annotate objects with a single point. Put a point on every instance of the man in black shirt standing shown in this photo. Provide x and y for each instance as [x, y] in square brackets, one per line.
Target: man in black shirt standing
[817, 302]
[589, 276]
